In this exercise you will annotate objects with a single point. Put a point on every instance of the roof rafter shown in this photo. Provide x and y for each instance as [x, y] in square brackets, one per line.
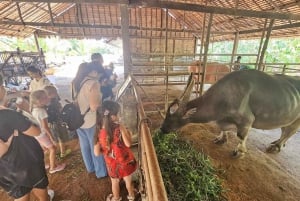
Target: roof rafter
[217, 10]
[76, 1]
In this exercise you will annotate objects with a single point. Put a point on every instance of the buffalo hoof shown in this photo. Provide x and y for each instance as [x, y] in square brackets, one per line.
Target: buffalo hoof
[238, 154]
[220, 140]
[273, 148]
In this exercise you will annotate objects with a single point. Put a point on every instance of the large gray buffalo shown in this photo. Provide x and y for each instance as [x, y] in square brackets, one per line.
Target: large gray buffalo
[241, 100]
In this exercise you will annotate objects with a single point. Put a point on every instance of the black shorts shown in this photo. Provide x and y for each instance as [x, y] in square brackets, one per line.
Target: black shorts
[19, 191]
[60, 132]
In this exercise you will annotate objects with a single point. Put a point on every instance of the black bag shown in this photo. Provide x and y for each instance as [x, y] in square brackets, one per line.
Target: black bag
[23, 163]
[72, 116]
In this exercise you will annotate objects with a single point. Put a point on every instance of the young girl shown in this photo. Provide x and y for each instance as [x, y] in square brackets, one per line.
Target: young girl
[114, 141]
[55, 122]
[38, 101]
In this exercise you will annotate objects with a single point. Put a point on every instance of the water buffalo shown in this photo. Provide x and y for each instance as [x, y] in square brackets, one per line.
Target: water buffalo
[241, 100]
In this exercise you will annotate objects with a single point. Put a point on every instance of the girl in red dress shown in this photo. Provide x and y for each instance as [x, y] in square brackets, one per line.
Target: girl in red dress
[114, 142]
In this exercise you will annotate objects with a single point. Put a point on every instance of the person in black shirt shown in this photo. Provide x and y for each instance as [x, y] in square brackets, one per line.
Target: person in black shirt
[59, 130]
[21, 157]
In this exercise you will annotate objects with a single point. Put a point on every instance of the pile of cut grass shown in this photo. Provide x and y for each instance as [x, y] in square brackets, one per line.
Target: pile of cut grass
[187, 174]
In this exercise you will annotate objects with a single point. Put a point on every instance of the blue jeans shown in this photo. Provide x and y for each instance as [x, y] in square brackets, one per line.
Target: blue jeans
[92, 163]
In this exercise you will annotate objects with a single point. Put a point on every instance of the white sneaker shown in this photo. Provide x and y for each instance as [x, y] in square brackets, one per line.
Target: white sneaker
[50, 194]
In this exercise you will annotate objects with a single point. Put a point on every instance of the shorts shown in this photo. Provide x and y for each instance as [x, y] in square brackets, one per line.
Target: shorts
[44, 140]
[59, 131]
[19, 191]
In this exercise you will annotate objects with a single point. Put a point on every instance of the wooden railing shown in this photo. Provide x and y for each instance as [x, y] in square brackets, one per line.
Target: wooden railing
[151, 183]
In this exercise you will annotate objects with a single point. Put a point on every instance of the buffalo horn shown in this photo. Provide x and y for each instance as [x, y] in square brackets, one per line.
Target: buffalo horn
[188, 89]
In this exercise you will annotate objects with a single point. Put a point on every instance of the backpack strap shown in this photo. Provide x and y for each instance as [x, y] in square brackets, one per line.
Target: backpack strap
[86, 111]
[74, 96]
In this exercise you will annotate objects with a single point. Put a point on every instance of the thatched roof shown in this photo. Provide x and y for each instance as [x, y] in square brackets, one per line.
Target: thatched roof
[102, 18]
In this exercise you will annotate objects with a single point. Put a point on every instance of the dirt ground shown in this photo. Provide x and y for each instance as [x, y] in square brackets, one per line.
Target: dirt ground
[256, 177]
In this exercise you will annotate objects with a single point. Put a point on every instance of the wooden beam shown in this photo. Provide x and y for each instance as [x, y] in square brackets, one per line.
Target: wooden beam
[165, 60]
[262, 54]
[125, 39]
[234, 49]
[20, 13]
[261, 42]
[37, 43]
[74, 25]
[206, 46]
[181, 6]
[286, 26]
[215, 10]
[77, 1]
[50, 13]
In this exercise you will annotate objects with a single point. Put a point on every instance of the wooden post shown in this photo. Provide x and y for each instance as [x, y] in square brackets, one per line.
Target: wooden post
[198, 88]
[205, 52]
[262, 55]
[283, 69]
[234, 49]
[165, 60]
[37, 43]
[125, 39]
[260, 44]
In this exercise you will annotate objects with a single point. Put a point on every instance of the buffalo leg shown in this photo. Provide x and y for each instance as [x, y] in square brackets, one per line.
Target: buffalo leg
[242, 133]
[287, 132]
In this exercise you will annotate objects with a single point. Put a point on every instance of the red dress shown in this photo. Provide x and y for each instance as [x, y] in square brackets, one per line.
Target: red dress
[119, 158]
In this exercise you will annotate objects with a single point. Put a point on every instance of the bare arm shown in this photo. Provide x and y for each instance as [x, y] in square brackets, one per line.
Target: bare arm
[33, 130]
[95, 97]
[126, 135]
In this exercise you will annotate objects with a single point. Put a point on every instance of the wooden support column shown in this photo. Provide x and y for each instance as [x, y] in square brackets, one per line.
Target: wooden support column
[125, 39]
[262, 55]
[195, 47]
[234, 49]
[165, 62]
[37, 42]
[198, 89]
[261, 42]
[205, 52]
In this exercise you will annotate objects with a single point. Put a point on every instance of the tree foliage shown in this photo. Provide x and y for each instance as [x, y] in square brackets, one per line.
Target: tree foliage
[280, 50]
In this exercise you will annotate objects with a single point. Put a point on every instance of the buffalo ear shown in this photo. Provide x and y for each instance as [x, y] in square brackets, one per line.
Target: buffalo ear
[173, 108]
[189, 113]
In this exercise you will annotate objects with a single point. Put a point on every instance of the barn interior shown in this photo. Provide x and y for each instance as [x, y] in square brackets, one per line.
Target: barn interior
[160, 38]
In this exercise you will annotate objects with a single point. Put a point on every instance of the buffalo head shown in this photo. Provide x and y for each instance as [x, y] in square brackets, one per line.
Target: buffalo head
[177, 114]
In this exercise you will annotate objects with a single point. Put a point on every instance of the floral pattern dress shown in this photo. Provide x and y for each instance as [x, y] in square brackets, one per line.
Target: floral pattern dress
[119, 158]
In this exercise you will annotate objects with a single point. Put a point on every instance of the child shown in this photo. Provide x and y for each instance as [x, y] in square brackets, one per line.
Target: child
[53, 110]
[38, 100]
[114, 141]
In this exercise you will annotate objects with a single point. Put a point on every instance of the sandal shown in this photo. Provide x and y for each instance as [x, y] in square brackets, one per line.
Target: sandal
[110, 197]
